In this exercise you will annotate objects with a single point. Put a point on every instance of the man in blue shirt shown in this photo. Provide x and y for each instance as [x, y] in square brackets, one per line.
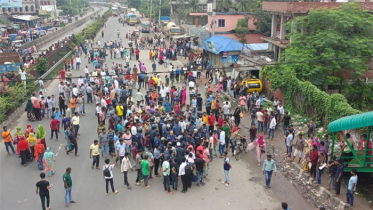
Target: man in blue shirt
[177, 74]
[167, 106]
[269, 166]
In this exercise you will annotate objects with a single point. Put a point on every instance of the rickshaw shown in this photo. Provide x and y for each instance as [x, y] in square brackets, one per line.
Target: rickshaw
[361, 160]
[17, 43]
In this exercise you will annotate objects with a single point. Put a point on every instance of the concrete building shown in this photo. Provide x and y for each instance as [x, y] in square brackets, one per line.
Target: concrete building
[28, 8]
[226, 22]
[282, 12]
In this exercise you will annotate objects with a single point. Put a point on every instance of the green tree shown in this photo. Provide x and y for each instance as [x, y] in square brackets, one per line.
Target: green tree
[42, 66]
[135, 3]
[262, 21]
[223, 5]
[244, 5]
[323, 53]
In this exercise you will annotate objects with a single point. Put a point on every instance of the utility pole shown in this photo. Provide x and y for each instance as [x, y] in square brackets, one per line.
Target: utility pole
[159, 18]
[151, 9]
[213, 17]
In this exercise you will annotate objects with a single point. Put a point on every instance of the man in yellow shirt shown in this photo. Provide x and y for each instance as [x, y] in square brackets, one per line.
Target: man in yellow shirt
[95, 153]
[155, 81]
[119, 110]
[205, 118]
[7, 137]
[213, 105]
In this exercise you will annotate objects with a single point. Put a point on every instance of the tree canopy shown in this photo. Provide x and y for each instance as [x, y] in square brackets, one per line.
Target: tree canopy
[327, 43]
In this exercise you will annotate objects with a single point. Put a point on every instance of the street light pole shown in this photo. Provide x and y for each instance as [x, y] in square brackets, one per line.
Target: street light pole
[213, 17]
[159, 18]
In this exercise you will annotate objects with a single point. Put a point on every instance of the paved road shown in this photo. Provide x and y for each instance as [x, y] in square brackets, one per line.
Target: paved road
[75, 30]
[17, 183]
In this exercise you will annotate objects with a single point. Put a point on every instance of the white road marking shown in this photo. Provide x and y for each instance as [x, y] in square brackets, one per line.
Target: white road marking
[59, 149]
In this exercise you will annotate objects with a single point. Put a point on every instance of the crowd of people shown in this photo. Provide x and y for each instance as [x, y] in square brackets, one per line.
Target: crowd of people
[161, 131]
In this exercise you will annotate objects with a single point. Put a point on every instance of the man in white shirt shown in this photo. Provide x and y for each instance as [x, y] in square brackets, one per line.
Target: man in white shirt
[23, 77]
[191, 84]
[280, 108]
[134, 130]
[183, 175]
[272, 127]
[221, 143]
[86, 70]
[226, 110]
[259, 117]
[78, 61]
[80, 81]
[75, 91]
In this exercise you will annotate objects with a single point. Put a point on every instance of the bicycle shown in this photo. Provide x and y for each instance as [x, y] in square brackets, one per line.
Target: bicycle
[239, 148]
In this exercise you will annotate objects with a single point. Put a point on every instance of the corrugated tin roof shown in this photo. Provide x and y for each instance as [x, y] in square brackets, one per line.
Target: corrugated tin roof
[351, 122]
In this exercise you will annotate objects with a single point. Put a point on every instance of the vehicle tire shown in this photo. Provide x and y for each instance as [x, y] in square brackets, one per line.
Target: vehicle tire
[237, 157]
[244, 148]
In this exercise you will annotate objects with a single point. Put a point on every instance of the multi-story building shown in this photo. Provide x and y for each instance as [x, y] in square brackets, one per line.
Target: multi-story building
[26, 7]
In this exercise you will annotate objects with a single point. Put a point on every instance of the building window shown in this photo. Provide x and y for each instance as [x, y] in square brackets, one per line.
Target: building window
[4, 10]
[26, 9]
[32, 8]
[15, 9]
[9, 9]
[20, 9]
[221, 23]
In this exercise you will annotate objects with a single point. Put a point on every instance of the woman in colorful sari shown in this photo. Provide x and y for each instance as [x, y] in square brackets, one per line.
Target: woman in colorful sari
[260, 146]
[28, 130]
[29, 110]
[38, 153]
[183, 98]
[17, 136]
[31, 142]
[24, 150]
[48, 161]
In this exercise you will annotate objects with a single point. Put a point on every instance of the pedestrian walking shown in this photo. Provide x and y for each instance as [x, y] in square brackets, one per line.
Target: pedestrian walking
[108, 175]
[351, 189]
[269, 166]
[166, 174]
[226, 166]
[183, 175]
[7, 137]
[48, 161]
[125, 165]
[68, 184]
[146, 170]
[138, 160]
[42, 188]
[94, 152]
[73, 142]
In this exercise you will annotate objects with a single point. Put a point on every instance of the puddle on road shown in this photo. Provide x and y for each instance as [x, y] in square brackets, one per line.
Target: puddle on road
[255, 179]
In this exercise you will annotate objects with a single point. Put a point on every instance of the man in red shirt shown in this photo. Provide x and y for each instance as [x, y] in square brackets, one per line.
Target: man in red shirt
[54, 127]
[137, 52]
[72, 62]
[211, 122]
[62, 75]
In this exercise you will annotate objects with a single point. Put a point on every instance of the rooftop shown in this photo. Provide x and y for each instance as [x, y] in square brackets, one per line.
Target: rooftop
[305, 7]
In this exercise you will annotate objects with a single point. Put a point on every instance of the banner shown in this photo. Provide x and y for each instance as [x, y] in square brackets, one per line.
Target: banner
[49, 8]
[10, 3]
[211, 46]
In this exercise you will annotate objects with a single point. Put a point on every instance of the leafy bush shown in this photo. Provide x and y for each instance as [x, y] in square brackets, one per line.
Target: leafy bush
[306, 98]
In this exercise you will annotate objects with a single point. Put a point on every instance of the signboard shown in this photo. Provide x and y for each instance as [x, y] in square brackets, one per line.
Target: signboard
[10, 3]
[209, 7]
[211, 46]
[225, 54]
[49, 8]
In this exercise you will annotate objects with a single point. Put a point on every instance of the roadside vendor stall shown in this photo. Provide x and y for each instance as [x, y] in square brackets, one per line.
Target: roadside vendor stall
[360, 159]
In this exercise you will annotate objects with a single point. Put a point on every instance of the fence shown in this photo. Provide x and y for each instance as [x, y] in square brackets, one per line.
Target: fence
[55, 35]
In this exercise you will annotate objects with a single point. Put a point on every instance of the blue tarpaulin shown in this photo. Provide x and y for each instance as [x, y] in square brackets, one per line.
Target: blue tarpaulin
[9, 67]
[218, 44]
